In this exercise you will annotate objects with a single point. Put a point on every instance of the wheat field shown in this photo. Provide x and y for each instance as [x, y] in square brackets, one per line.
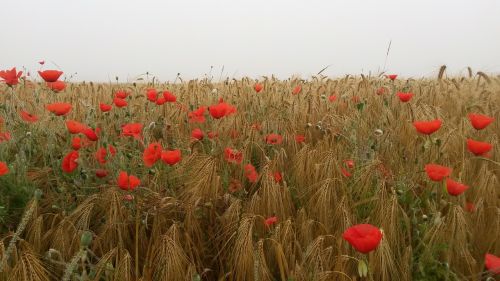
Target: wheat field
[271, 174]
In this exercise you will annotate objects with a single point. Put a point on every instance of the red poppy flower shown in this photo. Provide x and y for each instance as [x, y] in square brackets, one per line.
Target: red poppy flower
[127, 182]
[492, 263]
[76, 143]
[297, 90]
[101, 173]
[469, 207]
[270, 221]
[427, 127]
[274, 139]
[10, 77]
[345, 173]
[477, 147]
[90, 134]
[152, 154]
[212, 135]
[220, 110]
[455, 188]
[5, 136]
[300, 138]
[363, 237]
[171, 157]
[132, 130]
[161, 101]
[380, 91]
[197, 116]
[59, 108]
[101, 154]
[50, 75]
[75, 127]
[258, 87]
[233, 155]
[404, 97]
[217, 111]
[152, 95]
[332, 98]
[69, 163]
[104, 107]
[480, 121]
[437, 172]
[197, 134]
[120, 102]
[121, 94]
[230, 109]
[349, 163]
[250, 173]
[57, 86]
[112, 150]
[169, 97]
[392, 76]
[3, 168]
[277, 177]
[30, 118]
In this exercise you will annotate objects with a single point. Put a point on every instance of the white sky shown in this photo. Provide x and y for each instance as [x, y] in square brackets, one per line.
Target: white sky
[101, 39]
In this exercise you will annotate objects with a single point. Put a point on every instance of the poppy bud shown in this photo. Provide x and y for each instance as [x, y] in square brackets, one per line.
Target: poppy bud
[85, 239]
[38, 194]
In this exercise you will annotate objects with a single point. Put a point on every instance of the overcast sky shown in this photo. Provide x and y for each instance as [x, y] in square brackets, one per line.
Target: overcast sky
[101, 39]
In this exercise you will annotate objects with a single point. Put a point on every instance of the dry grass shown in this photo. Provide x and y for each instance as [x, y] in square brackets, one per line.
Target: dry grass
[184, 224]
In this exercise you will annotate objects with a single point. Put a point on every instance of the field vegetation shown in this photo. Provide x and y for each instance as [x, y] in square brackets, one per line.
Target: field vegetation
[353, 178]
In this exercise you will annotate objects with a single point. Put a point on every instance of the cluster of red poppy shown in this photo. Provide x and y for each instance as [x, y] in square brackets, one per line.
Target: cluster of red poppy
[365, 237]
[437, 172]
[362, 237]
[167, 96]
[479, 122]
[155, 152]
[51, 78]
